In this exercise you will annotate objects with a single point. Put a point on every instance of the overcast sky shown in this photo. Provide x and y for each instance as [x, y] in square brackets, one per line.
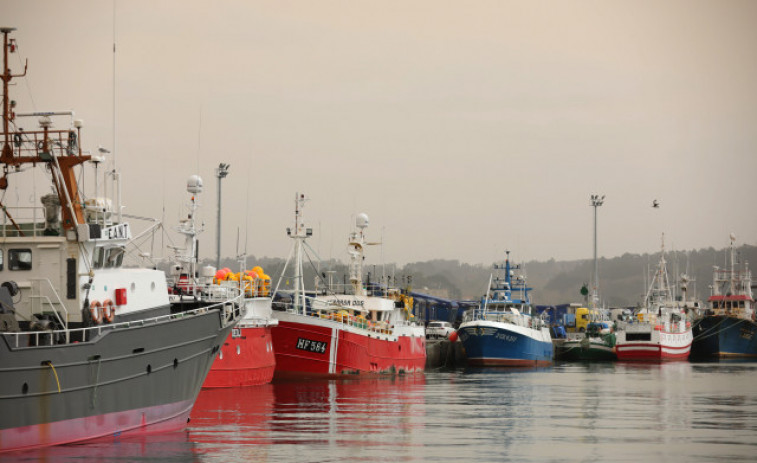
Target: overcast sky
[461, 128]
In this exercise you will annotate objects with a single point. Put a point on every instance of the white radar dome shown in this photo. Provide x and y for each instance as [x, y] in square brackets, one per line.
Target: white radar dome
[194, 184]
[361, 221]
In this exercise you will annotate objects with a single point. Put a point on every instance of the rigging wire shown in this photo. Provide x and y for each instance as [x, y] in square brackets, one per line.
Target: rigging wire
[26, 79]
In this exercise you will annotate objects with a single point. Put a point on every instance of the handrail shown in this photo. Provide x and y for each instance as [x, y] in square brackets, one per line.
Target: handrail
[34, 228]
[230, 316]
[63, 306]
[380, 327]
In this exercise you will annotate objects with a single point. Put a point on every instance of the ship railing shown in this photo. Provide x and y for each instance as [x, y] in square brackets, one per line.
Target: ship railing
[233, 310]
[258, 321]
[45, 143]
[355, 321]
[22, 221]
[731, 312]
[39, 301]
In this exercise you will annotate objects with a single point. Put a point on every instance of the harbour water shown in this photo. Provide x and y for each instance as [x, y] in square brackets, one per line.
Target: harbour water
[624, 412]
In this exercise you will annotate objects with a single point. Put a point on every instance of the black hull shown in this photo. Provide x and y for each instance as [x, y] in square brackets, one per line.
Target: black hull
[719, 336]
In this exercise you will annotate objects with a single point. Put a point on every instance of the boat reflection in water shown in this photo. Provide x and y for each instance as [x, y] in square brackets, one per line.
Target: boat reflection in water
[167, 446]
[363, 414]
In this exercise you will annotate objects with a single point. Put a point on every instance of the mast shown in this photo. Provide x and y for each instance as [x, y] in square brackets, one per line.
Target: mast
[60, 150]
[356, 244]
[299, 236]
[189, 229]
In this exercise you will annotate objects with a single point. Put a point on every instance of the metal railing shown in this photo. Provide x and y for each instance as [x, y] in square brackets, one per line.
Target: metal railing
[233, 310]
[22, 221]
[36, 295]
[356, 321]
[519, 319]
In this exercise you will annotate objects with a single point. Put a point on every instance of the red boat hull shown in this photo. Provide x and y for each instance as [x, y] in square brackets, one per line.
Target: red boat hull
[310, 349]
[653, 344]
[245, 359]
[652, 352]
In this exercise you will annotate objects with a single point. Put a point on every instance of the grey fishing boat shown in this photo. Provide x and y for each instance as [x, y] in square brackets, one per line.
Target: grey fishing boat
[88, 348]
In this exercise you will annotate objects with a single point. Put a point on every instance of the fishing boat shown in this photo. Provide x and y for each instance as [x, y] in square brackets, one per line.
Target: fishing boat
[246, 357]
[347, 330]
[505, 330]
[659, 329]
[728, 329]
[596, 344]
[88, 348]
[592, 339]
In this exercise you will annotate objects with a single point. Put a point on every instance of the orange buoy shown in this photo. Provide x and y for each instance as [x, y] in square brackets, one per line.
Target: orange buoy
[95, 310]
[453, 336]
[108, 311]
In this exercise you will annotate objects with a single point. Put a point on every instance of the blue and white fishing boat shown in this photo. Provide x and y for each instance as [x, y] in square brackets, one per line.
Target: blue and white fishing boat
[505, 330]
[728, 328]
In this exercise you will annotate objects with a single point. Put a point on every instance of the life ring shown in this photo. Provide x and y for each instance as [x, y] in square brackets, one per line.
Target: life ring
[108, 311]
[95, 311]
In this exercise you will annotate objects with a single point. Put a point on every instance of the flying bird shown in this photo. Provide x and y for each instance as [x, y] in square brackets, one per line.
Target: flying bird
[655, 204]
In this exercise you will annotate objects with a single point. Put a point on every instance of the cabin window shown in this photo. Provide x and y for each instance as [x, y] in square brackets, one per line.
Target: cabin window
[99, 257]
[115, 257]
[19, 259]
[1, 259]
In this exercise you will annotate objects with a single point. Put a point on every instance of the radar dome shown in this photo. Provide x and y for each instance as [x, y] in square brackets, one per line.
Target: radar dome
[361, 221]
[194, 184]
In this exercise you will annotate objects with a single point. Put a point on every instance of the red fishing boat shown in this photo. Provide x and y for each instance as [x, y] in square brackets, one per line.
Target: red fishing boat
[354, 330]
[660, 329]
[246, 357]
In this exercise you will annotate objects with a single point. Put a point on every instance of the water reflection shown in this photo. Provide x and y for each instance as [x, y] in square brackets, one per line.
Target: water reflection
[313, 420]
[570, 412]
[175, 446]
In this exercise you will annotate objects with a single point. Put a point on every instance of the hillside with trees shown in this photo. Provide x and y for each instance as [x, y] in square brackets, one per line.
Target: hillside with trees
[621, 279]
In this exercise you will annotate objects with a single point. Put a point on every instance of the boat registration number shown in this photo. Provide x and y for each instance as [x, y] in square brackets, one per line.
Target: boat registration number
[319, 347]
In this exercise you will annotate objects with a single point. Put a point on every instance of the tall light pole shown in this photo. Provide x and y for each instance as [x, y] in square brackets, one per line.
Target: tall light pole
[221, 172]
[596, 201]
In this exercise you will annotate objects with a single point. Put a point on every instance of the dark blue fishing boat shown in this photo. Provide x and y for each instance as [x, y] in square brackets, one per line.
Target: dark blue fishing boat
[728, 328]
[505, 330]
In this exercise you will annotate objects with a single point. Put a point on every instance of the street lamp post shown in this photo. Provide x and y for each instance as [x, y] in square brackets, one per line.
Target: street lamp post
[221, 172]
[596, 201]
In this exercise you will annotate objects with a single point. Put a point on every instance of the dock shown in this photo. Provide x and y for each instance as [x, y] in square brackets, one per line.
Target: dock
[444, 354]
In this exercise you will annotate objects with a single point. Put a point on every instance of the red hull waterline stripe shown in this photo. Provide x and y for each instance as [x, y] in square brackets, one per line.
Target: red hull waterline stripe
[157, 419]
[652, 352]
